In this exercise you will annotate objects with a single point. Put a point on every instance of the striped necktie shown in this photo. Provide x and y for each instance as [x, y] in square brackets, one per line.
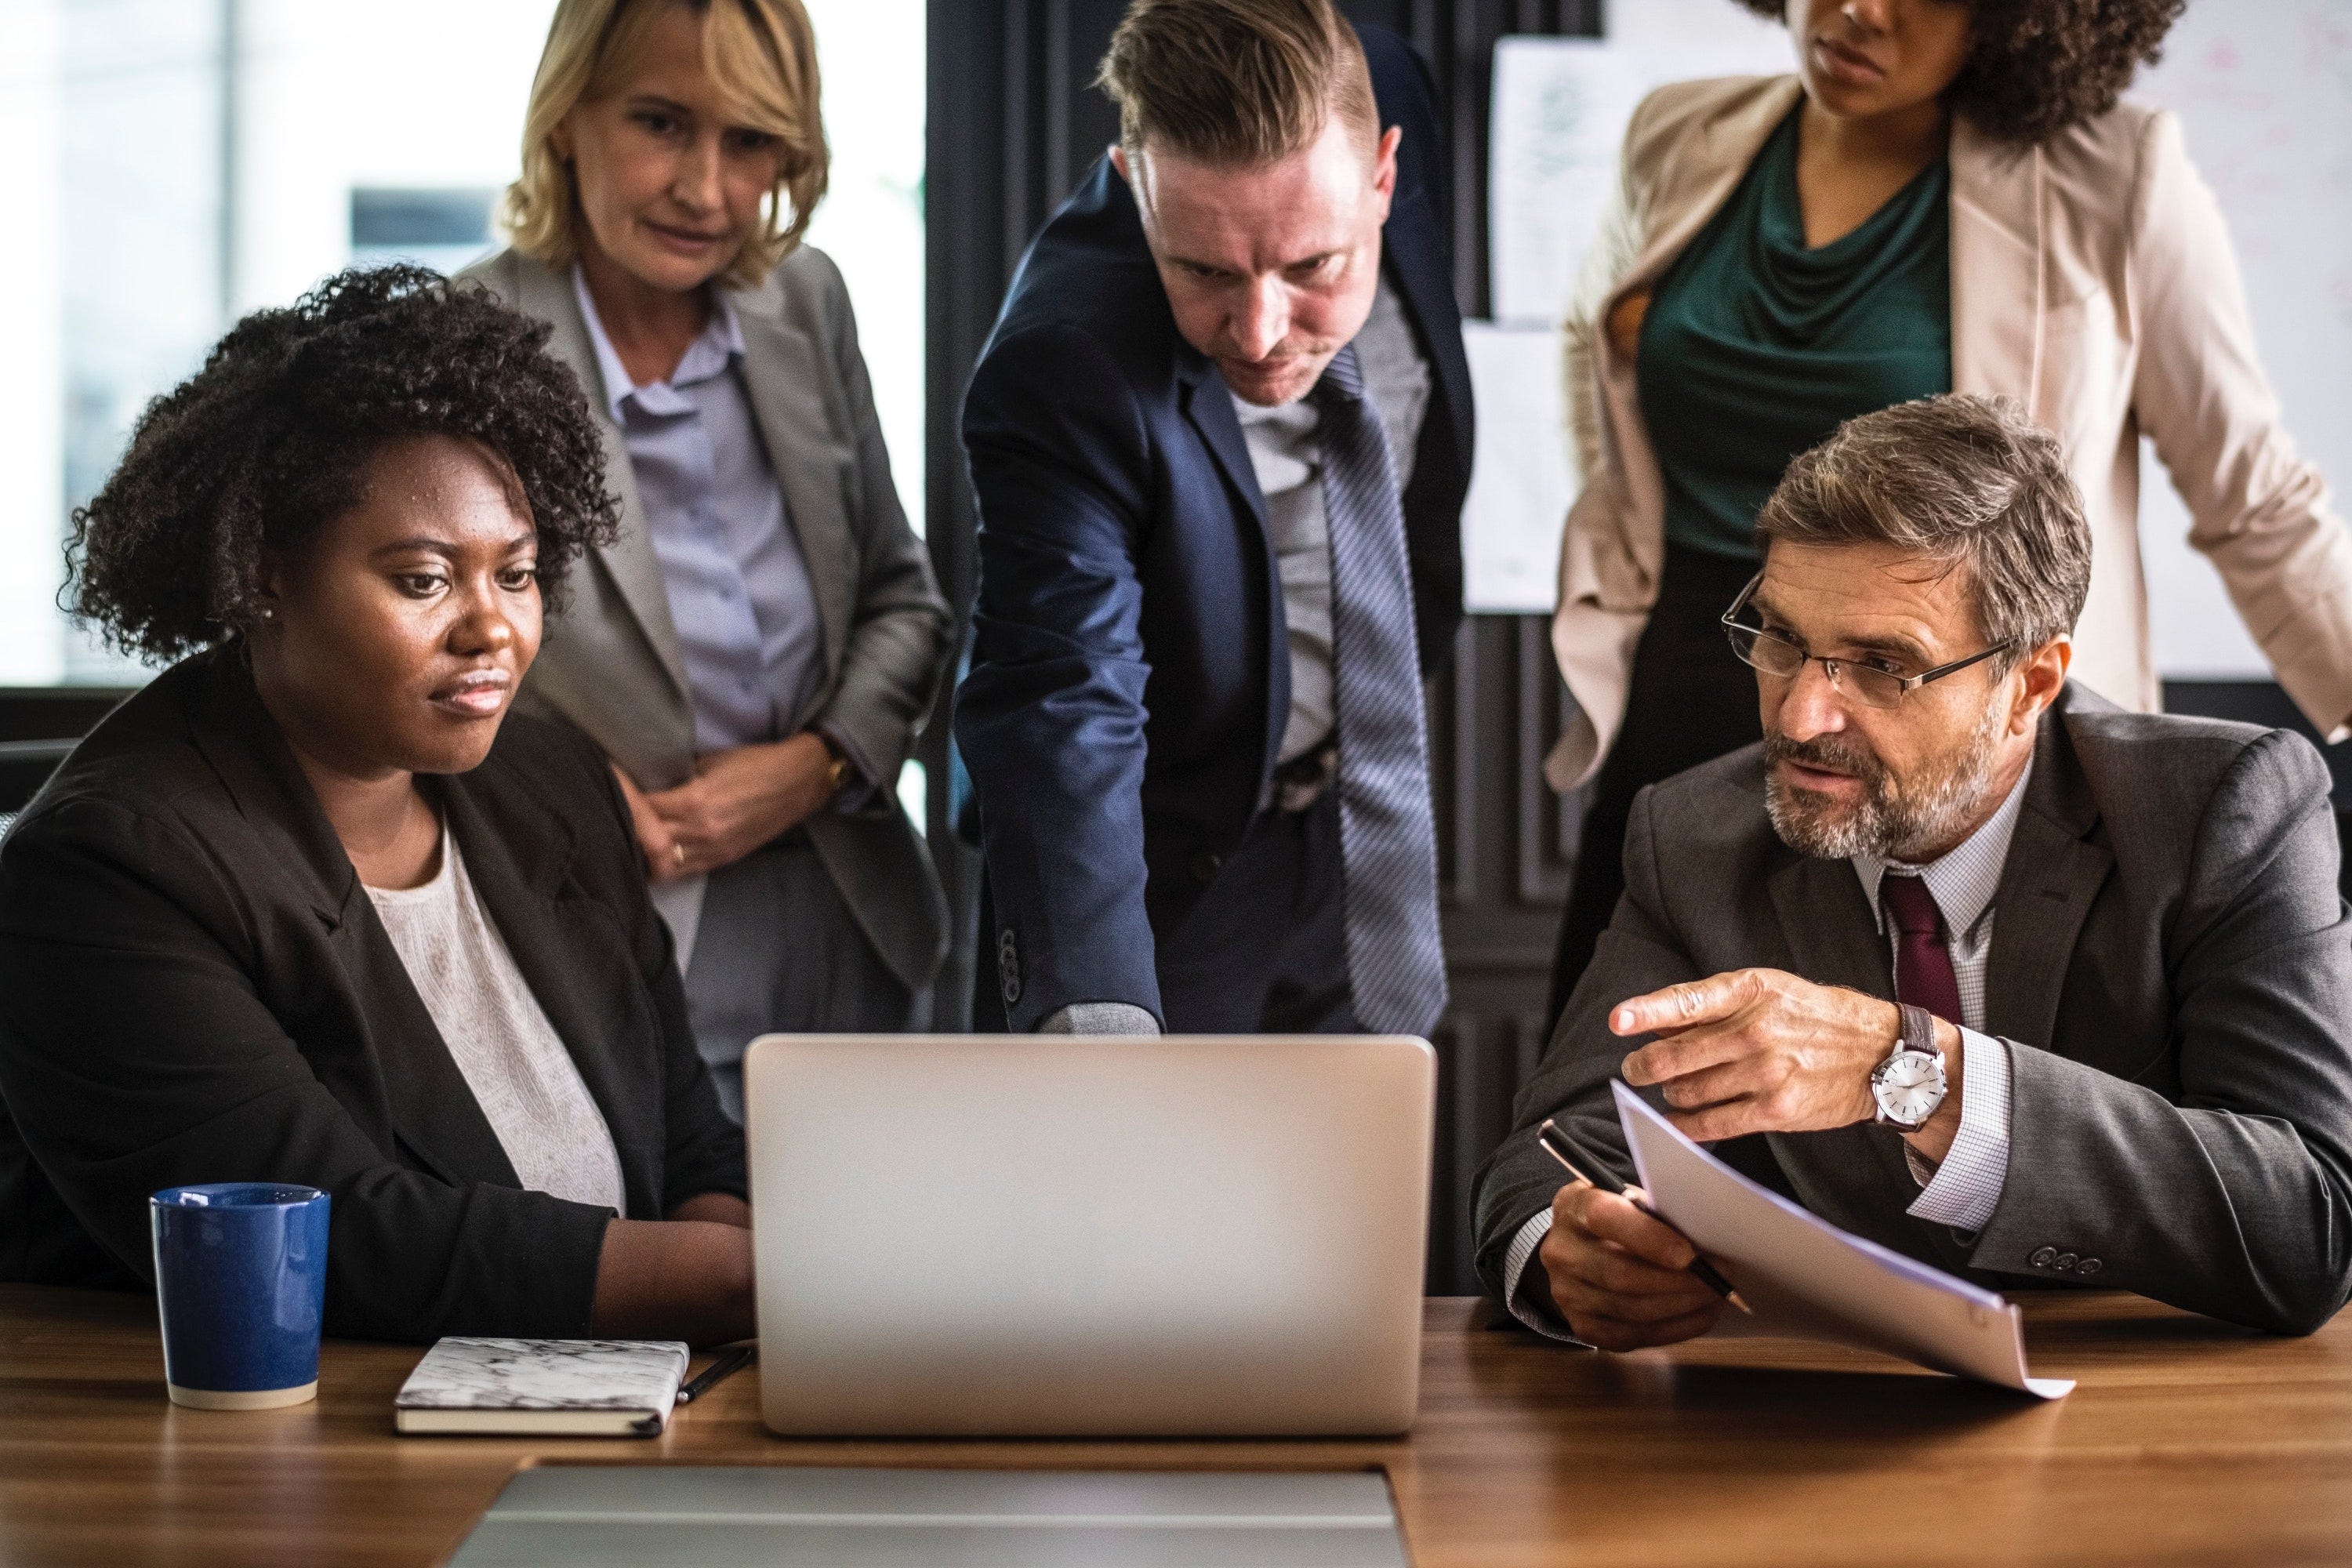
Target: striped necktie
[1387, 839]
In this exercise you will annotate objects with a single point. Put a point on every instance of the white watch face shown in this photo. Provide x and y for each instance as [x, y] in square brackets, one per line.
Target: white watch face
[1909, 1086]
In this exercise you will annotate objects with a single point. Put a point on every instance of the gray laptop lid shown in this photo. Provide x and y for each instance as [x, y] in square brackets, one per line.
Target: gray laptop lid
[588, 1516]
[1050, 1235]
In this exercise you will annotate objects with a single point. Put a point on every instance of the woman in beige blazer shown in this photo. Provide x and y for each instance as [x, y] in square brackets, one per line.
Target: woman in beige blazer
[758, 649]
[1943, 191]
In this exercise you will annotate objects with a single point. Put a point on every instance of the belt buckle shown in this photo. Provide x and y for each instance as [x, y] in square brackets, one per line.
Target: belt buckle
[1300, 783]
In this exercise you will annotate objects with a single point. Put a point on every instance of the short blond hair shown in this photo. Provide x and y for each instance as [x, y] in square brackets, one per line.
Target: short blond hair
[1236, 83]
[761, 56]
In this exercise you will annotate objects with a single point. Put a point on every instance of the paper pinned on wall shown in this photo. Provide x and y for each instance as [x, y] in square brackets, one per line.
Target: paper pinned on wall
[1687, 40]
[1522, 478]
[1559, 110]
[1558, 131]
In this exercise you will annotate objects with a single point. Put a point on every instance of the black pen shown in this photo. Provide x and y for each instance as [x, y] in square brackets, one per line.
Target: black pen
[729, 1361]
[1561, 1147]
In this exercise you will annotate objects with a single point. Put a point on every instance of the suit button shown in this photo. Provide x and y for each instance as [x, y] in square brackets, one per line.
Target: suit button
[2064, 1260]
[1205, 867]
[2043, 1257]
[1008, 968]
[2088, 1267]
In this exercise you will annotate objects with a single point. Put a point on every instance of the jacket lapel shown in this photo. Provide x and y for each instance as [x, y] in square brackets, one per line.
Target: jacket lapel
[2053, 874]
[432, 1111]
[1690, 190]
[1415, 257]
[520, 862]
[248, 753]
[2000, 293]
[1695, 189]
[1208, 405]
[542, 292]
[1855, 1176]
[1833, 938]
[785, 379]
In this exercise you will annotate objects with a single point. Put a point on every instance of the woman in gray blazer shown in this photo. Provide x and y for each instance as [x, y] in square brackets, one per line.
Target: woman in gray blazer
[758, 648]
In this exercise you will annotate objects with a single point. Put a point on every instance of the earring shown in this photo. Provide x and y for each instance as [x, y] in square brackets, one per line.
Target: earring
[267, 614]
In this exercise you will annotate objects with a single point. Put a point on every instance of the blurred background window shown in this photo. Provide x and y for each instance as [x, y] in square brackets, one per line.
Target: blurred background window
[175, 163]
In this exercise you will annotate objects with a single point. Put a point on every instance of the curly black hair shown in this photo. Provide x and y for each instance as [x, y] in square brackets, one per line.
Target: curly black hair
[2040, 66]
[272, 437]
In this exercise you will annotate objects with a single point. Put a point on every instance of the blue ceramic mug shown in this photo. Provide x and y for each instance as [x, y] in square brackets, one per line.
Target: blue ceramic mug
[241, 1280]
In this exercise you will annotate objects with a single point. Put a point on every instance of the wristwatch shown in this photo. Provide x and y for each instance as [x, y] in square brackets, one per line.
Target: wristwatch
[1909, 1084]
[836, 772]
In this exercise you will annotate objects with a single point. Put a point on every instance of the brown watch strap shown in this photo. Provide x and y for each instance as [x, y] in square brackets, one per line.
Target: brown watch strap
[838, 773]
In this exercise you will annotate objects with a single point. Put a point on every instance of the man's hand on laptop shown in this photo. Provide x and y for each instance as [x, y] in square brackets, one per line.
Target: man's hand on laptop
[1759, 1050]
[1619, 1277]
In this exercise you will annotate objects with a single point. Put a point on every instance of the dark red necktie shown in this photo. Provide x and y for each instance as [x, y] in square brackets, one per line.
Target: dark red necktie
[1923, 964]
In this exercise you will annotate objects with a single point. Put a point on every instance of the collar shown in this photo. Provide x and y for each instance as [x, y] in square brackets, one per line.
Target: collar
[1964, 878]
[713, 352]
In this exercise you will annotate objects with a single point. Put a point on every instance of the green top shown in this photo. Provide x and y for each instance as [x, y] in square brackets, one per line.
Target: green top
[1755, 347]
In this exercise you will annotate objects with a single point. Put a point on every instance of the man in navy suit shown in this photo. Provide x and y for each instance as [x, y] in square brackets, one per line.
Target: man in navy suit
[1220, 438]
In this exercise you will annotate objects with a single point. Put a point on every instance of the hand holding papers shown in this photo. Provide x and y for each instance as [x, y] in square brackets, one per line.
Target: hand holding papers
[1807, 1278]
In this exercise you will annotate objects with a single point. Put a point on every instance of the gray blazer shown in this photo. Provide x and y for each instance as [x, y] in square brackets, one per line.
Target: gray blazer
[610, 662]
[2171, 972]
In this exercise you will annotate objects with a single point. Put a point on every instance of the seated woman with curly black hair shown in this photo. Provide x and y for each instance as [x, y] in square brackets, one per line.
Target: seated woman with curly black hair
[311, 908]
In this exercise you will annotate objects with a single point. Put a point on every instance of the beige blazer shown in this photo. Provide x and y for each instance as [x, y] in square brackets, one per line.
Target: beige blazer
[611, 663]
[2094, 283]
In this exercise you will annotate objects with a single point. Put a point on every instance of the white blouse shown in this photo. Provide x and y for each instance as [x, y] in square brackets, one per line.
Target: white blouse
[525, 1081]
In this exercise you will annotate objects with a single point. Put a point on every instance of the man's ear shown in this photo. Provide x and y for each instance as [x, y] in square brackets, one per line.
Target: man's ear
[2045, 676]
[1384, 167]
[1118, 161]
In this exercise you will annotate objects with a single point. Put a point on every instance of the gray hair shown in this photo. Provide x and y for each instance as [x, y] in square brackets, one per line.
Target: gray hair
[1966, 481]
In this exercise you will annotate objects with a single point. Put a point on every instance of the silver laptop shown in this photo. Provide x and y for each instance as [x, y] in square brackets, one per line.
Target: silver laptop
[1050, 1235]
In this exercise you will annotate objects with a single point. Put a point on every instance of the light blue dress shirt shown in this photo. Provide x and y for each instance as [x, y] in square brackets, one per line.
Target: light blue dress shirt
[740, 593]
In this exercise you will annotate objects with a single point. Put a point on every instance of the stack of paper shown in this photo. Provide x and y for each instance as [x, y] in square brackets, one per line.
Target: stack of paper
[1809, 1280]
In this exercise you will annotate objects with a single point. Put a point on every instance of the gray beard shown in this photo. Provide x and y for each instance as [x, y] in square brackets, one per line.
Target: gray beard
[1891, 823]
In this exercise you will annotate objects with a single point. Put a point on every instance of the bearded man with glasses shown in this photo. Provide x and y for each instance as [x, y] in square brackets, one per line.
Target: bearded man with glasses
[1962, 957]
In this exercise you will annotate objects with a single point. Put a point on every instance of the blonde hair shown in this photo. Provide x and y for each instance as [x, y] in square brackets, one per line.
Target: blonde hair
[761, 57]
[1236, 83]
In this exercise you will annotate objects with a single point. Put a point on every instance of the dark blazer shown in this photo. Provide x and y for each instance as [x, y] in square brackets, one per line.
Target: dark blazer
[194, 987]
[1130, 672]
[2170, 973]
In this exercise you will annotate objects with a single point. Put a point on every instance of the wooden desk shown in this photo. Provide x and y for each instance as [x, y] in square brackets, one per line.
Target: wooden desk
[2188, 1442]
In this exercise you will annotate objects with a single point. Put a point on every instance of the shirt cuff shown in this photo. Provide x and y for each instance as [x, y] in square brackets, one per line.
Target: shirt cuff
[1965, 1190]
[1100, 1018]
[1515, 1264]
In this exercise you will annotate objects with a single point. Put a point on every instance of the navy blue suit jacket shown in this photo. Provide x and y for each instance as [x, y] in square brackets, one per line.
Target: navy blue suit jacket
[1130, 672]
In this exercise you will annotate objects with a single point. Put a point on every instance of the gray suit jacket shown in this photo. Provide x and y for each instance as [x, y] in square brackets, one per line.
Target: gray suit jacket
[610, 662]
[2171, 975]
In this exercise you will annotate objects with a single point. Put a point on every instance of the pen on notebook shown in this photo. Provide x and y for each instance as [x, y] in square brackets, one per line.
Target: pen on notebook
[1561, 1147]
[729, 1361]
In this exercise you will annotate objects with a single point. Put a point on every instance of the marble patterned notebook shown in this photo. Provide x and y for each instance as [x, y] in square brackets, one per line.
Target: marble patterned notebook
[587, 1388]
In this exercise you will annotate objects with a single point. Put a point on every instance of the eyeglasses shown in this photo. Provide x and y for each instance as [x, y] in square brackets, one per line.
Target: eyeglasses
[1869, 684]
